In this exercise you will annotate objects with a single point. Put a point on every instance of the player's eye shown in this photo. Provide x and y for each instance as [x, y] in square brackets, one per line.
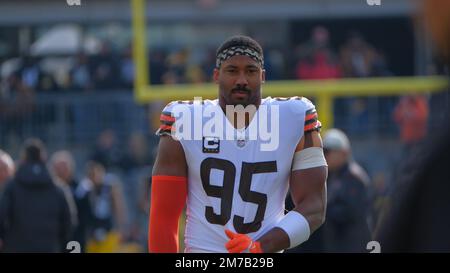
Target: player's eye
[252, 72]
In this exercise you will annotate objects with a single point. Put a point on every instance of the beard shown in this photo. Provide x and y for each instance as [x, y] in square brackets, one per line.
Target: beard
[242, 95]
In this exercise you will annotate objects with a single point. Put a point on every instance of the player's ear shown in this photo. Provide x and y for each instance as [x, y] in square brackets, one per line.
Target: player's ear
[216, 75]
[263, 76]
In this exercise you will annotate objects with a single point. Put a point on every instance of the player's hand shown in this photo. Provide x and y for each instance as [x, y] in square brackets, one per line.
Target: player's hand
[240, 243]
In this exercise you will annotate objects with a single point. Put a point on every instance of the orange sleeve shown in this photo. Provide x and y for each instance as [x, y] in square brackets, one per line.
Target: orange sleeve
[168, 198]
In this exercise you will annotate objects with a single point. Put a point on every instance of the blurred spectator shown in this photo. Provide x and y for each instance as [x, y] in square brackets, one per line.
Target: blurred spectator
[80, 74]
[274, 64]
[6, 170]
[34, 212]
[63, 167]
[137, 154]
[346, 228]
[127, 69]
[194, 74]
[359, 59]
[107, 151]
[105, 69]
[136, 165]
[108, 226]
[380, 199]
[48, 83]
[31, 72]
[417, 221]
[16, 106]
[177, 65]
[411, 115]
[435, 15]
[209, 63]
[157, 66]
[170, 78]
[356, 109]
[317, 60]
[67, 191]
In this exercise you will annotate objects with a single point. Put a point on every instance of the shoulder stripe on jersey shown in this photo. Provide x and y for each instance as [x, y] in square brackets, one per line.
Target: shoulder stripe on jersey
[165, 127]
[166, 122]
[310, 117]
[165, 117]
[313, 127]
[310, 121]
[311, 111]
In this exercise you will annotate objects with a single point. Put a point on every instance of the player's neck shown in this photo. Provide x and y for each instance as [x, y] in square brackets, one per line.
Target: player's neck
[239, 116]
[240, 120]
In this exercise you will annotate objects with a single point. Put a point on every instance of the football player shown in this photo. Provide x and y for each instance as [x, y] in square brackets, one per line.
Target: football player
[234, 190]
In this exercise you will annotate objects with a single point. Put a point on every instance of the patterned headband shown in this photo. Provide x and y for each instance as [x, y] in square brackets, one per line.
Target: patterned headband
[239, 50]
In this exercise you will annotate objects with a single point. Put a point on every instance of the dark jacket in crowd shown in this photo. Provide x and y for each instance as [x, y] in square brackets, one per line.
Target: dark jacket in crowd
[84, 213]
[346, 228]
[418, 218]
[34, 213]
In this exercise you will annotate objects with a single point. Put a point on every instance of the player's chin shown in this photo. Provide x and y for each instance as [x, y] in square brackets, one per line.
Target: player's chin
[241, 102]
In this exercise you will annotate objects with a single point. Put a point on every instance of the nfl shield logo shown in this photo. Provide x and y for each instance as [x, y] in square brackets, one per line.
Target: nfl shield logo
[241, 143]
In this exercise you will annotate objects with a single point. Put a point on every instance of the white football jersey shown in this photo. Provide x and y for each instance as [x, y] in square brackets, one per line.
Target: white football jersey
[236, 183]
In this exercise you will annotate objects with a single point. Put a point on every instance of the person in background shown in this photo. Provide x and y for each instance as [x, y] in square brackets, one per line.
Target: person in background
[63, 166]
[360, 59]
[346, 227]
[317, 60]
[107, 150]
[411, 115]
[135, 166]
[6, 173]
[416, 219]
[108, 225]
[7, 169]
[34, 211]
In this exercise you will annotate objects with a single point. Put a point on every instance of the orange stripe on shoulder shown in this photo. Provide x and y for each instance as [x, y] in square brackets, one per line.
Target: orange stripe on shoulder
[165, 127]
[310, 116]
[167, 118]
[313, 126]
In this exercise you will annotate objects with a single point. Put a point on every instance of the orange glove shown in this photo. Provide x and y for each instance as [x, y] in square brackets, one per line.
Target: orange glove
[239, 243]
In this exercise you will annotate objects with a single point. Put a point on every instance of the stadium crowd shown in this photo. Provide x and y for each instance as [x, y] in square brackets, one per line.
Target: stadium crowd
[112, 69]
[107, 196]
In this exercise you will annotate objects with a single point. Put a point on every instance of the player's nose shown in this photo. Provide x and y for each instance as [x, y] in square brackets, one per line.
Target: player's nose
[242, 79]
